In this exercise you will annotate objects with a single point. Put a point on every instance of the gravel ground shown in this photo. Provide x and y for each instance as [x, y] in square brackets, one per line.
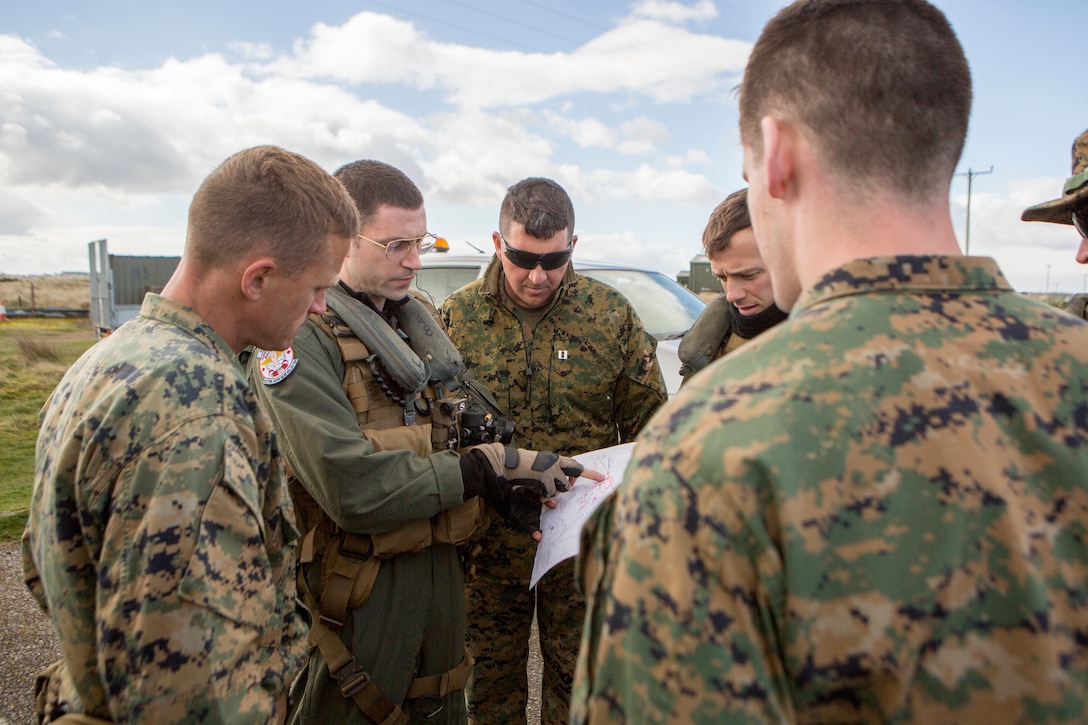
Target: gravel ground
[26, 640]
[536, 663]
[28, 645]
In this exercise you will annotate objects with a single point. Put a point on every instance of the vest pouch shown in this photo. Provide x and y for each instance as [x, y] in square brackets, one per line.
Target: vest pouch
[415, 438]
[335, 574]
[458, 524]
[413, 536]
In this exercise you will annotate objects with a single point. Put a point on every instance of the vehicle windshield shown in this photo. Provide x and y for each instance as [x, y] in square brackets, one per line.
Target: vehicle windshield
[441, 282]
[666, 309]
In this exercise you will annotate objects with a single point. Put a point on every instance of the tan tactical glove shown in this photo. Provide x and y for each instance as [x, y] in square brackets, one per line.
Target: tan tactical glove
[512, 480]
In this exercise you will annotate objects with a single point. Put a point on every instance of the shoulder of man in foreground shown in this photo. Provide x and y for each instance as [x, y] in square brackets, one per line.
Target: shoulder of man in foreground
[706, 488]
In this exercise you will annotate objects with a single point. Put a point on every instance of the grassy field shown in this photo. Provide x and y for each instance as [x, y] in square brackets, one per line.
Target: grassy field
[71, 290]
[34, 353]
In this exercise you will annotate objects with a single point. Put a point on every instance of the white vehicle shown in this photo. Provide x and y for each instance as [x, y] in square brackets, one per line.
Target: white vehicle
[666, 309]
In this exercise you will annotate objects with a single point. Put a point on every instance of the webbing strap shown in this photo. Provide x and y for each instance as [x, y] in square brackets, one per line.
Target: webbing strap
[443, 684]
[354, 681]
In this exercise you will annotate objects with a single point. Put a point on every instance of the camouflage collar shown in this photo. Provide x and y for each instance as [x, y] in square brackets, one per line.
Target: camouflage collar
[907, 274]
[172, 312]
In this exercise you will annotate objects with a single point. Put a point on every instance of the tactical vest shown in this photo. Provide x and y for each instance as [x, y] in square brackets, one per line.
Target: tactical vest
[350, 562]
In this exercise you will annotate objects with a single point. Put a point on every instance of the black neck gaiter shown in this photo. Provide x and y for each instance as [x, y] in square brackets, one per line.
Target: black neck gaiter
[752, 325]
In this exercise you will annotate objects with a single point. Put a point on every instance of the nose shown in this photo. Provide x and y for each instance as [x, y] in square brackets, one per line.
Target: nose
[412, 259]
[734, 291]
[1082, 252]
[317, 307]
[537, 275]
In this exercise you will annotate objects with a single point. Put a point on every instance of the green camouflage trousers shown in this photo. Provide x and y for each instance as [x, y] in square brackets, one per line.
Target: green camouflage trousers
[500, 618]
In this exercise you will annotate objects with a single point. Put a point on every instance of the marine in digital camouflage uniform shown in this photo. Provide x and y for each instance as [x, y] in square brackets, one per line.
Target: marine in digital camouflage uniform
[160, 538]
[1071, 208]
[876, 530]
[569, 361]
[746, 307]
[875, 512]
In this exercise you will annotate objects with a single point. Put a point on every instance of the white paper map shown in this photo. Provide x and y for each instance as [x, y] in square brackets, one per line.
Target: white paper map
[562, 525]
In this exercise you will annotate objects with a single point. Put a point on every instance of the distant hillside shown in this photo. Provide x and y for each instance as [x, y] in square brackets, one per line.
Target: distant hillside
[68, 289]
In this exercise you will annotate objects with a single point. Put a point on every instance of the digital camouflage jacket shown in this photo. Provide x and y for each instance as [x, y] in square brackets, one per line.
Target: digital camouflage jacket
[160, 539]
[587, 377]
[875, 513]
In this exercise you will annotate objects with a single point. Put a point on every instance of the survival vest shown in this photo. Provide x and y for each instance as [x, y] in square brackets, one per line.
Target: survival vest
[405, 398]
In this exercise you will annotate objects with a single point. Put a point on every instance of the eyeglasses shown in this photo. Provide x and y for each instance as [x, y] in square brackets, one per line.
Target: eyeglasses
[1080, 221]
[528, 260]
[398, 248]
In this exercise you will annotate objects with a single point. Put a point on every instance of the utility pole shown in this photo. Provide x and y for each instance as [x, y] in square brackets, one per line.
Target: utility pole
[1047, 290]
[970, 174]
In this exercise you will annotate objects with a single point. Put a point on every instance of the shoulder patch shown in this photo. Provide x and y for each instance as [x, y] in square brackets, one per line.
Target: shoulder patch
[275, 365]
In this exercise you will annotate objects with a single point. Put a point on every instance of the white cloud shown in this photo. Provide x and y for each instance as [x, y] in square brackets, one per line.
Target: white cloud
[642, 135]
[585, 132]
[17, 213]
[1028, 252]
[254, 51]
[645, 58]
[675, 12]
[111, 152]
[654, 184]
[693, 157]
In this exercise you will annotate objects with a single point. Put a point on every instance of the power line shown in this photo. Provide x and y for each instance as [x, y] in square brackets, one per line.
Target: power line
[562, 14]
[398, 10]
[970, 174]
[512, 21]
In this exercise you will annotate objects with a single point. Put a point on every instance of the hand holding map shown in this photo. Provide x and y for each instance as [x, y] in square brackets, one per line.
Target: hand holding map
[562, 525]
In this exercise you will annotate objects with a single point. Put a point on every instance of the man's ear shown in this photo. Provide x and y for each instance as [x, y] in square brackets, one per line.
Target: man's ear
[498, 242]
[778, 155]
[573, 241]
[255, 277]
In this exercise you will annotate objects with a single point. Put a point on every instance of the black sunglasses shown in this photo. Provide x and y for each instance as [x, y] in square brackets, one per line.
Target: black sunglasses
[529, 260]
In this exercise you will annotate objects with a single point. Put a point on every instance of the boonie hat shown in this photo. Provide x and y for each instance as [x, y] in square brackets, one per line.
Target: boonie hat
[1074, 193]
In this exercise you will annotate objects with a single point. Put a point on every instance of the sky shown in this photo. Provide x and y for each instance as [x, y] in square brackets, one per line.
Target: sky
[112, 113]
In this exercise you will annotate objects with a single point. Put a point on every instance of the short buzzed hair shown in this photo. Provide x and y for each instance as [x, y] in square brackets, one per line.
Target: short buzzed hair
[540, 205]
[728, 218]
[266, 200]
[373, 184]
[881, 88]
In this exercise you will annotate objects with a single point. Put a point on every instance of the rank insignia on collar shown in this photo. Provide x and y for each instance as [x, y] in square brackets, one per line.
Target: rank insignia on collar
[276, 365]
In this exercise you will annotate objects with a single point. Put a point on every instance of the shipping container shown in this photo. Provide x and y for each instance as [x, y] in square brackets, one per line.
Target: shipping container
[119, 283]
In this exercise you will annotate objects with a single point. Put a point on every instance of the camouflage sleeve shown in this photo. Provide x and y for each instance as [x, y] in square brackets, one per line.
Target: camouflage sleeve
[362, 490]
[444, 313]
[190, 621]
[696, 644]
[31, 576]
[640, 390]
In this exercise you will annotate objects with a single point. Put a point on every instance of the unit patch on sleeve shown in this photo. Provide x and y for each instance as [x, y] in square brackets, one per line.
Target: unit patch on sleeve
[275, 366]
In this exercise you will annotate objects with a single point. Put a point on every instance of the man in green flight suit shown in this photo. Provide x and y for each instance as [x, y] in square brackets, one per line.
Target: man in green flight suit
[366, 402]
[1070, 208]
[874, 512]
[568, 359]
[746, 306]
[161, 539]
